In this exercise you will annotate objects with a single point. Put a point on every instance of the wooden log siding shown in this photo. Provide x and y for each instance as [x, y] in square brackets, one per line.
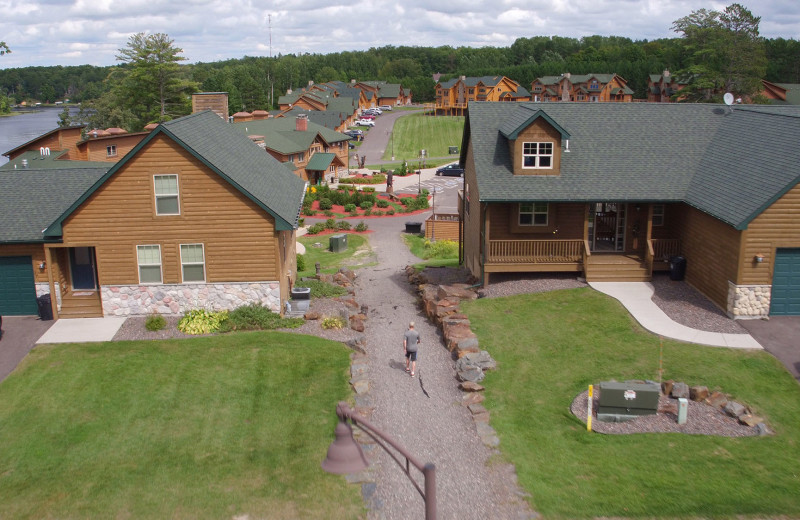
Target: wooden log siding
[239, 238]
[442, 227]
[535, 251]
[35, 251]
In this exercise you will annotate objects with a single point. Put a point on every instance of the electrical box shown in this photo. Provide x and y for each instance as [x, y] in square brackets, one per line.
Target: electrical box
[625, 401]
[338, 243]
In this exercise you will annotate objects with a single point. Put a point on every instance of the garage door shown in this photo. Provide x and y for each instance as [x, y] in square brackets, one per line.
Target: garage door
[786, 283]
[17, 289]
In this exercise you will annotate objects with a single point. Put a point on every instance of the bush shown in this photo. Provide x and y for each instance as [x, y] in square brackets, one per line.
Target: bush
[319, 227]
[301, 262]
[257, 317]
[441, 249]
[325, 204]
[361, 226]
[371, 189]
[320, 289]
[328, 213]
[155, 322]
[390, 211]
[367, 212]
[309, 212]
[367, 204]
[332, 322]
[350, 208]
[354, 213]
[201, 321]
[330, 223]
[382, 203]
[301, 222]
[343, 225]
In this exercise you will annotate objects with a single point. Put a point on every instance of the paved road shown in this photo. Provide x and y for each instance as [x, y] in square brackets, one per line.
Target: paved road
[779, 336]
[20, 334]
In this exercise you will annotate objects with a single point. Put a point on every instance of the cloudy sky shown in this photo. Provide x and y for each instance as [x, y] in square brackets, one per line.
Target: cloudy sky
[75, 32]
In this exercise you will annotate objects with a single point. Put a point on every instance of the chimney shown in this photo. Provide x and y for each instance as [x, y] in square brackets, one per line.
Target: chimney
[310, 82]
[567, 75]
[288, 92]
[301, 123]
[666, 73]
[463, 78]
[352, 81]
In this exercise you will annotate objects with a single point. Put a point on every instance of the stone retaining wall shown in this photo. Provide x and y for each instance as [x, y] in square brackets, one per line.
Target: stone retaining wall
[132, 300]
[748, 301]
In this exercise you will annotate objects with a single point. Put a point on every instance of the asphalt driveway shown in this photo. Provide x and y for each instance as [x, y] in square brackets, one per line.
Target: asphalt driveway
[779, 336]
[20, 334]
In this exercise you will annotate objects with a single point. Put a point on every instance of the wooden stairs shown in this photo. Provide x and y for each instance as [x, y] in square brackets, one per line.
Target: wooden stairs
[617, 268]
[81, 304]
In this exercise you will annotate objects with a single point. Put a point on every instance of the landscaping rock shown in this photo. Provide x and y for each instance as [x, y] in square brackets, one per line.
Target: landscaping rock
[340, 279]
[357, 324]
[360, 385]
[750, 420]
[358, 369]
[359, 343]
[763, 429]
[312, 315]
[487, 434]
[470, 373]
[698, 393]
[735, 409]
[460, 337]
[327, 278]
[472, 398]
[469, 386]
[348, 273]
[481, 359]
[717, 399]
[666, 387]
[680, 390]
[455, 292]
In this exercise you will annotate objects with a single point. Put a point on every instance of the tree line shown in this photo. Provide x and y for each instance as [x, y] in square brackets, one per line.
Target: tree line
[716, 49]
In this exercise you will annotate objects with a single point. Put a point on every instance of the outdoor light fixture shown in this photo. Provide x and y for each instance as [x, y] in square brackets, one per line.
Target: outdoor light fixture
[758, 258]
[345, 455]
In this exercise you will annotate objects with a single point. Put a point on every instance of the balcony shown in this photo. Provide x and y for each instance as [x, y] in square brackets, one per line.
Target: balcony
[536, 255]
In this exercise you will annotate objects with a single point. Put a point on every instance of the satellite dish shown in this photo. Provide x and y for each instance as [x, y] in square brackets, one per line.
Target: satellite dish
[728, 98]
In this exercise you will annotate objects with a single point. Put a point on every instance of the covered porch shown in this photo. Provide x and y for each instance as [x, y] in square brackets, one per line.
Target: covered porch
[73, 277]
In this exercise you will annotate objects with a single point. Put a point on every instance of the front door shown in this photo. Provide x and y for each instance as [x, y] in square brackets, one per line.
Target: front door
[607, 227]
[81, 261]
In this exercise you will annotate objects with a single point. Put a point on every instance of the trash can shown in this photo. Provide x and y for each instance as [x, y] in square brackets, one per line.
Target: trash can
[45, 309]
[414, 227]
[677, 268]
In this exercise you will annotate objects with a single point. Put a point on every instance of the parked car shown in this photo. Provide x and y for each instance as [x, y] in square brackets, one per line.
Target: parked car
[354, 132]
[451, 170]
[386, 107]
[367, 116]
[373, 111]
[365, 122]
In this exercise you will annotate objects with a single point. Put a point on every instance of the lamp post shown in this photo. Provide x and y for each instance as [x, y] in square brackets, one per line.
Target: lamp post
[345, 455]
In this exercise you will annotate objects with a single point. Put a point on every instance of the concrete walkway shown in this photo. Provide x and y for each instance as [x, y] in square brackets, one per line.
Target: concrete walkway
[82, 330]
[637, 298]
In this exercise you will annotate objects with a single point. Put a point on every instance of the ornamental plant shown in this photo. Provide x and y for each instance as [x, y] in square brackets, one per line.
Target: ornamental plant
[201, 321]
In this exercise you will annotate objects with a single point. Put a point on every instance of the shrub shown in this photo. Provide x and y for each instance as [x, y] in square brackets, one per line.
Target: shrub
[350, 208]
[328, 213]
[201, 321]
[367, 212]
[319, 227]
[441, 249]
[343, 225]
[371, 189]
[390, 211]
[325, 204]
[332, 322]
[361, 226]
[301, 262]
[309, 212]
[354, 213]
[330, 223]
[382, 203]
[155, 322]
[257, 317]
[320, 289]
[367, 204]
[301, 222]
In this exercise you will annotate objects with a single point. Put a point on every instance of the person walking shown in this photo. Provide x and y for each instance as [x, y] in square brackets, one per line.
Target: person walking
[410, 346]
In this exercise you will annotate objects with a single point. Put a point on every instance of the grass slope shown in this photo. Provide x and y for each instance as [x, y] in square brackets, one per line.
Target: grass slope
[210, 427]
[416, 132]
[551, 346]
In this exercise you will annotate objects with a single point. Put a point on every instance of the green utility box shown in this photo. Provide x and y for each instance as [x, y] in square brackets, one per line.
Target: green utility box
[338, 243]
[625, 401]
[453, 150]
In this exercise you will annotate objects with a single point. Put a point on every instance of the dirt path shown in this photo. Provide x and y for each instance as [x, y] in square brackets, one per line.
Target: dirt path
[424, 413]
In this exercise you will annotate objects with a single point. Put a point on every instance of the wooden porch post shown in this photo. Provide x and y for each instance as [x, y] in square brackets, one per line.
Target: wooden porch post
[53, 296]
[486, 238]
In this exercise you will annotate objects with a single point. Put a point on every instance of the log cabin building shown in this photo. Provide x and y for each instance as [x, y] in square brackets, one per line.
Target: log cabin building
[615, 192]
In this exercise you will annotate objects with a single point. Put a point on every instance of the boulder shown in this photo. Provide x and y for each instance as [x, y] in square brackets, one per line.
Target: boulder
[481, 359]
[360, 385]
[348, 273]
[359, 343]
[455, 292]
[750, 419]
[717, 399]
[341, 279]
[469, 386]
[459, 335]
[312, 315]
[763, 429]
[735, 409]
[680, 390]
[666, 387]
[698, 393]
[479, 413]
[470, 373]
[327, 278]
[472, 398]
[357, 324]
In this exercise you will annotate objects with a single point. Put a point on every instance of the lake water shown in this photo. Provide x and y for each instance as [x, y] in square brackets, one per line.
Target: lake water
[21, 128]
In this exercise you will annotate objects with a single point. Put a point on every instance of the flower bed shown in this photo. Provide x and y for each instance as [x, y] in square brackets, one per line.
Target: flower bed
[392, 208]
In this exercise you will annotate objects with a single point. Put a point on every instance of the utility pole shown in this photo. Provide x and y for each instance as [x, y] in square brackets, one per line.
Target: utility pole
[271, 82]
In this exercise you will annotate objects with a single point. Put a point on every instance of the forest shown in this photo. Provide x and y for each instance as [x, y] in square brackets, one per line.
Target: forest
[257, 82]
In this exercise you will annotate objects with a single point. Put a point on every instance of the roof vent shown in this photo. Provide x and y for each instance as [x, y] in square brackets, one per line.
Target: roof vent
[25, 164]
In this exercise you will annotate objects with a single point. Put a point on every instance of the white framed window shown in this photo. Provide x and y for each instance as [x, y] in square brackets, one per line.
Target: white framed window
[658, 214]
[193, 263]
[149, 260]
[537, 155]
[533, 214]
[111, 150]
[166, 189]
[301, 156]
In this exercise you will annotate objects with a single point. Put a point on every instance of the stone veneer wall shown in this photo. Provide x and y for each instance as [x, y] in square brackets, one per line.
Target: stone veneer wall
[44, 288]
[749, 301]
[132, 300]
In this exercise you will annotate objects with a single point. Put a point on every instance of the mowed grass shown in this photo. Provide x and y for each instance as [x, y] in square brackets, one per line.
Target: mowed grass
[551, 346]
[213, 427]
[417, 132]
[329, 261]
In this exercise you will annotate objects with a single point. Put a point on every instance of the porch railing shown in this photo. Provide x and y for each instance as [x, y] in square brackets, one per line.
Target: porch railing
[536, 251]
[664, 248]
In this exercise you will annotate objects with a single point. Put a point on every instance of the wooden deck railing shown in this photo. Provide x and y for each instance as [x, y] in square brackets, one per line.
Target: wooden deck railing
[663, 248]
[536, 251]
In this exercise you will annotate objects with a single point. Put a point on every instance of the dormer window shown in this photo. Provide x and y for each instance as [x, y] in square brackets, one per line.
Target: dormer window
[537, 155]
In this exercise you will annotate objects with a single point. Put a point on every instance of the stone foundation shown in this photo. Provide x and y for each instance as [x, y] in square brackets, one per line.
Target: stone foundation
[44, 288]
[133, 300]
[748, 301]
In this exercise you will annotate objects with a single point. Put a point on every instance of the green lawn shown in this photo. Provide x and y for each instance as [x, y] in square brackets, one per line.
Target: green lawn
[432, 255]
[551, 346]
[329, 262]
[215, 427]
[416, 132]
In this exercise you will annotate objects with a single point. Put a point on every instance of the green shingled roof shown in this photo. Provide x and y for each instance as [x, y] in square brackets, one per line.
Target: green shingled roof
[31, 200]
[56, 160]
[704, 155]
[320, 161]
[280, 134]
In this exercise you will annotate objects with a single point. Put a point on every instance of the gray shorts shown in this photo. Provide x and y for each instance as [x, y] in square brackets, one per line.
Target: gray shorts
[412, 356]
